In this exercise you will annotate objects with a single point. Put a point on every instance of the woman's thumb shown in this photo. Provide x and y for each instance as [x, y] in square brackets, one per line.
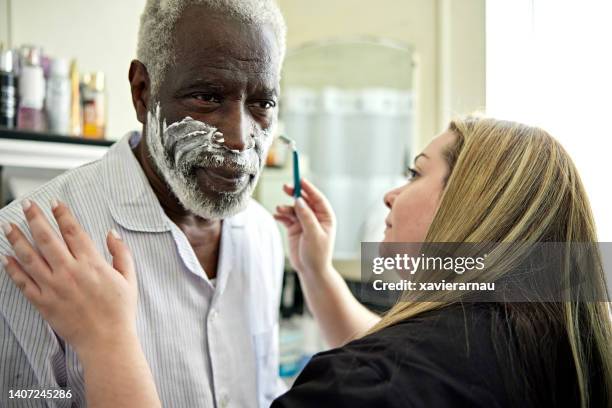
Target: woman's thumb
[122, 257]
[307, 218]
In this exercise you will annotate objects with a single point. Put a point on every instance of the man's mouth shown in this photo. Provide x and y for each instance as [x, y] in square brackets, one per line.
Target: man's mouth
[222, 178]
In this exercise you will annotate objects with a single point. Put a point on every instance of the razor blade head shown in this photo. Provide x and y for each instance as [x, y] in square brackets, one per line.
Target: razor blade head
[288, 141]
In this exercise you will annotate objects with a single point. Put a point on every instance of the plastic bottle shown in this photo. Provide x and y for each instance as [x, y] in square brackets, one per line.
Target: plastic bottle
[75, 101]
[58, 98]
[8, 90]
[31, 115]
[94, 115]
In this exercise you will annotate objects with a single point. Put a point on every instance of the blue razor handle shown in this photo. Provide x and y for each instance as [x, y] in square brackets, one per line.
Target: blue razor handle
[297, 186]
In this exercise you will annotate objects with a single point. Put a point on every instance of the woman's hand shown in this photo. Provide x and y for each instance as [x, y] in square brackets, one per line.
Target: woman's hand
[311, 228]
[86, 301]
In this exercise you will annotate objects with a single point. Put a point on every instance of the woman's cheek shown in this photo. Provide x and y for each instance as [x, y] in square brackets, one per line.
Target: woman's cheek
[413, 213]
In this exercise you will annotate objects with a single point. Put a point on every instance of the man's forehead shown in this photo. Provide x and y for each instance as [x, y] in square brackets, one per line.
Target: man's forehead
[201, 29]
[252, 53]
[226, 59]
[215, 49]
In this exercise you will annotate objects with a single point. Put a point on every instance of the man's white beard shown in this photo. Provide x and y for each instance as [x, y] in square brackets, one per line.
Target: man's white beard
[178, 149]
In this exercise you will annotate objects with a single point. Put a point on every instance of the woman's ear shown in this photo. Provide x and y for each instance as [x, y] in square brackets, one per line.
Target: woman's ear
[140, 86]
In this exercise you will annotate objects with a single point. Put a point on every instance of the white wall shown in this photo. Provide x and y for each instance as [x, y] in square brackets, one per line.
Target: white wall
[100, 34]
[447, 35]
[462, 58]
[4, 23]
[410, 21]
[549, 64]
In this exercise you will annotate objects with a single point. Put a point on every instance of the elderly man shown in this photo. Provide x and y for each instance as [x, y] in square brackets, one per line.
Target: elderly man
[209, 260]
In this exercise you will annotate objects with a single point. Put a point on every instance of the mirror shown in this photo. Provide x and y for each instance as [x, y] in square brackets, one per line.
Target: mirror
[349, 105]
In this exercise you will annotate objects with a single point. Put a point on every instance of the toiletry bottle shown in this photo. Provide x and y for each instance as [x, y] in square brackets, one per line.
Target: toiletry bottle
[31, 115]
[8, 90]
[58, 99]
[94, 115]
[75, 101]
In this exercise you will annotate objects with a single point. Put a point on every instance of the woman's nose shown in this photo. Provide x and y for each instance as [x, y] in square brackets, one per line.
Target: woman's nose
[390, 198]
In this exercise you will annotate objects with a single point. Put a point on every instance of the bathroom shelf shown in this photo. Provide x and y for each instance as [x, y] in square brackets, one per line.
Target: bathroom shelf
[47, 151]
[16, 134]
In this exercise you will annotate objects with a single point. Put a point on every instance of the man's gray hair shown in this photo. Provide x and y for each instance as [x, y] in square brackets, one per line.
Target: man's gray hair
[160, 16]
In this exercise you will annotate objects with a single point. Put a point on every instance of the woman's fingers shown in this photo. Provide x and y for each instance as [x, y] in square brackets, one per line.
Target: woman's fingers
[122, 257]
[285, 209]
[22, 280]
[286, 214]
[315, 207]
[289, 191]
[291, 218]
[78, 242]
[313, 197]
[31, 262]
[51, 247]
[290, 222]
[317, 199]
[306, 216]
[286, 221]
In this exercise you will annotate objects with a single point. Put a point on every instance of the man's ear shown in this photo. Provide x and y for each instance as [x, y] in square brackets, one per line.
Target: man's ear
[140, 86]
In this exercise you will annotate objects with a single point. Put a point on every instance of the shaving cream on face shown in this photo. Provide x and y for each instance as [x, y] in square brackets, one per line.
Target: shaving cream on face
[184, 146]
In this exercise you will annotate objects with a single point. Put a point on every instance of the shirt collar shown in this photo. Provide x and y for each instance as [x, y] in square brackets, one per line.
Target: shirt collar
[132, 202]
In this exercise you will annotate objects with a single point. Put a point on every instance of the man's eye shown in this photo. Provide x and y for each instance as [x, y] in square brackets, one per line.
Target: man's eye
[207, 98]
[265, 105]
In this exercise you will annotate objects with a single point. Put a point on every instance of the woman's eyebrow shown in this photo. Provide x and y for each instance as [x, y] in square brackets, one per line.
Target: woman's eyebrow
[420, 155]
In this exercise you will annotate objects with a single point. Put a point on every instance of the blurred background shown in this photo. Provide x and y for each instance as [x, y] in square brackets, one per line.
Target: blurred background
[365, 86]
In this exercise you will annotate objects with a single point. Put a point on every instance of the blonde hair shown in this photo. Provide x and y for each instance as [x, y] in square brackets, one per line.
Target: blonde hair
[514, 183]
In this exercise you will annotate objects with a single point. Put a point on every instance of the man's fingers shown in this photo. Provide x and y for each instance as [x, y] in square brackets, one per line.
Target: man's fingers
[51, 247]
[122, 257]
[78, 242]
[31, 261]
[22, 280]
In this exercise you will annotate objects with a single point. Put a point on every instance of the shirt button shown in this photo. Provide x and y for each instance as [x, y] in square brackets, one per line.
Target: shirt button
[224, 401]
[213, 314]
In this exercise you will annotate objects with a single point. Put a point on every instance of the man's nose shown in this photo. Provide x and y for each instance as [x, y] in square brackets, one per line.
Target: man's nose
[237, 129]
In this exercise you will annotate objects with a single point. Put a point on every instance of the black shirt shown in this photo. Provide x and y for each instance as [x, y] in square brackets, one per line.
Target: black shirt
[444, 358]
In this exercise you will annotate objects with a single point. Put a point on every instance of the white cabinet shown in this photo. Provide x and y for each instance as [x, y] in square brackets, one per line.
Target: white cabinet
[28, 160]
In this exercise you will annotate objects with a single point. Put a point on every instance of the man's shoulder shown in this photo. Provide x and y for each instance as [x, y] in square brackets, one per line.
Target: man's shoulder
[259, 217]
[83, 182]
[260, 222]
[255, 209]
[71, 179]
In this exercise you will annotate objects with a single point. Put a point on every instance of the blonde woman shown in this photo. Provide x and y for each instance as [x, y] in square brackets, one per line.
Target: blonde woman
[482, 180]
